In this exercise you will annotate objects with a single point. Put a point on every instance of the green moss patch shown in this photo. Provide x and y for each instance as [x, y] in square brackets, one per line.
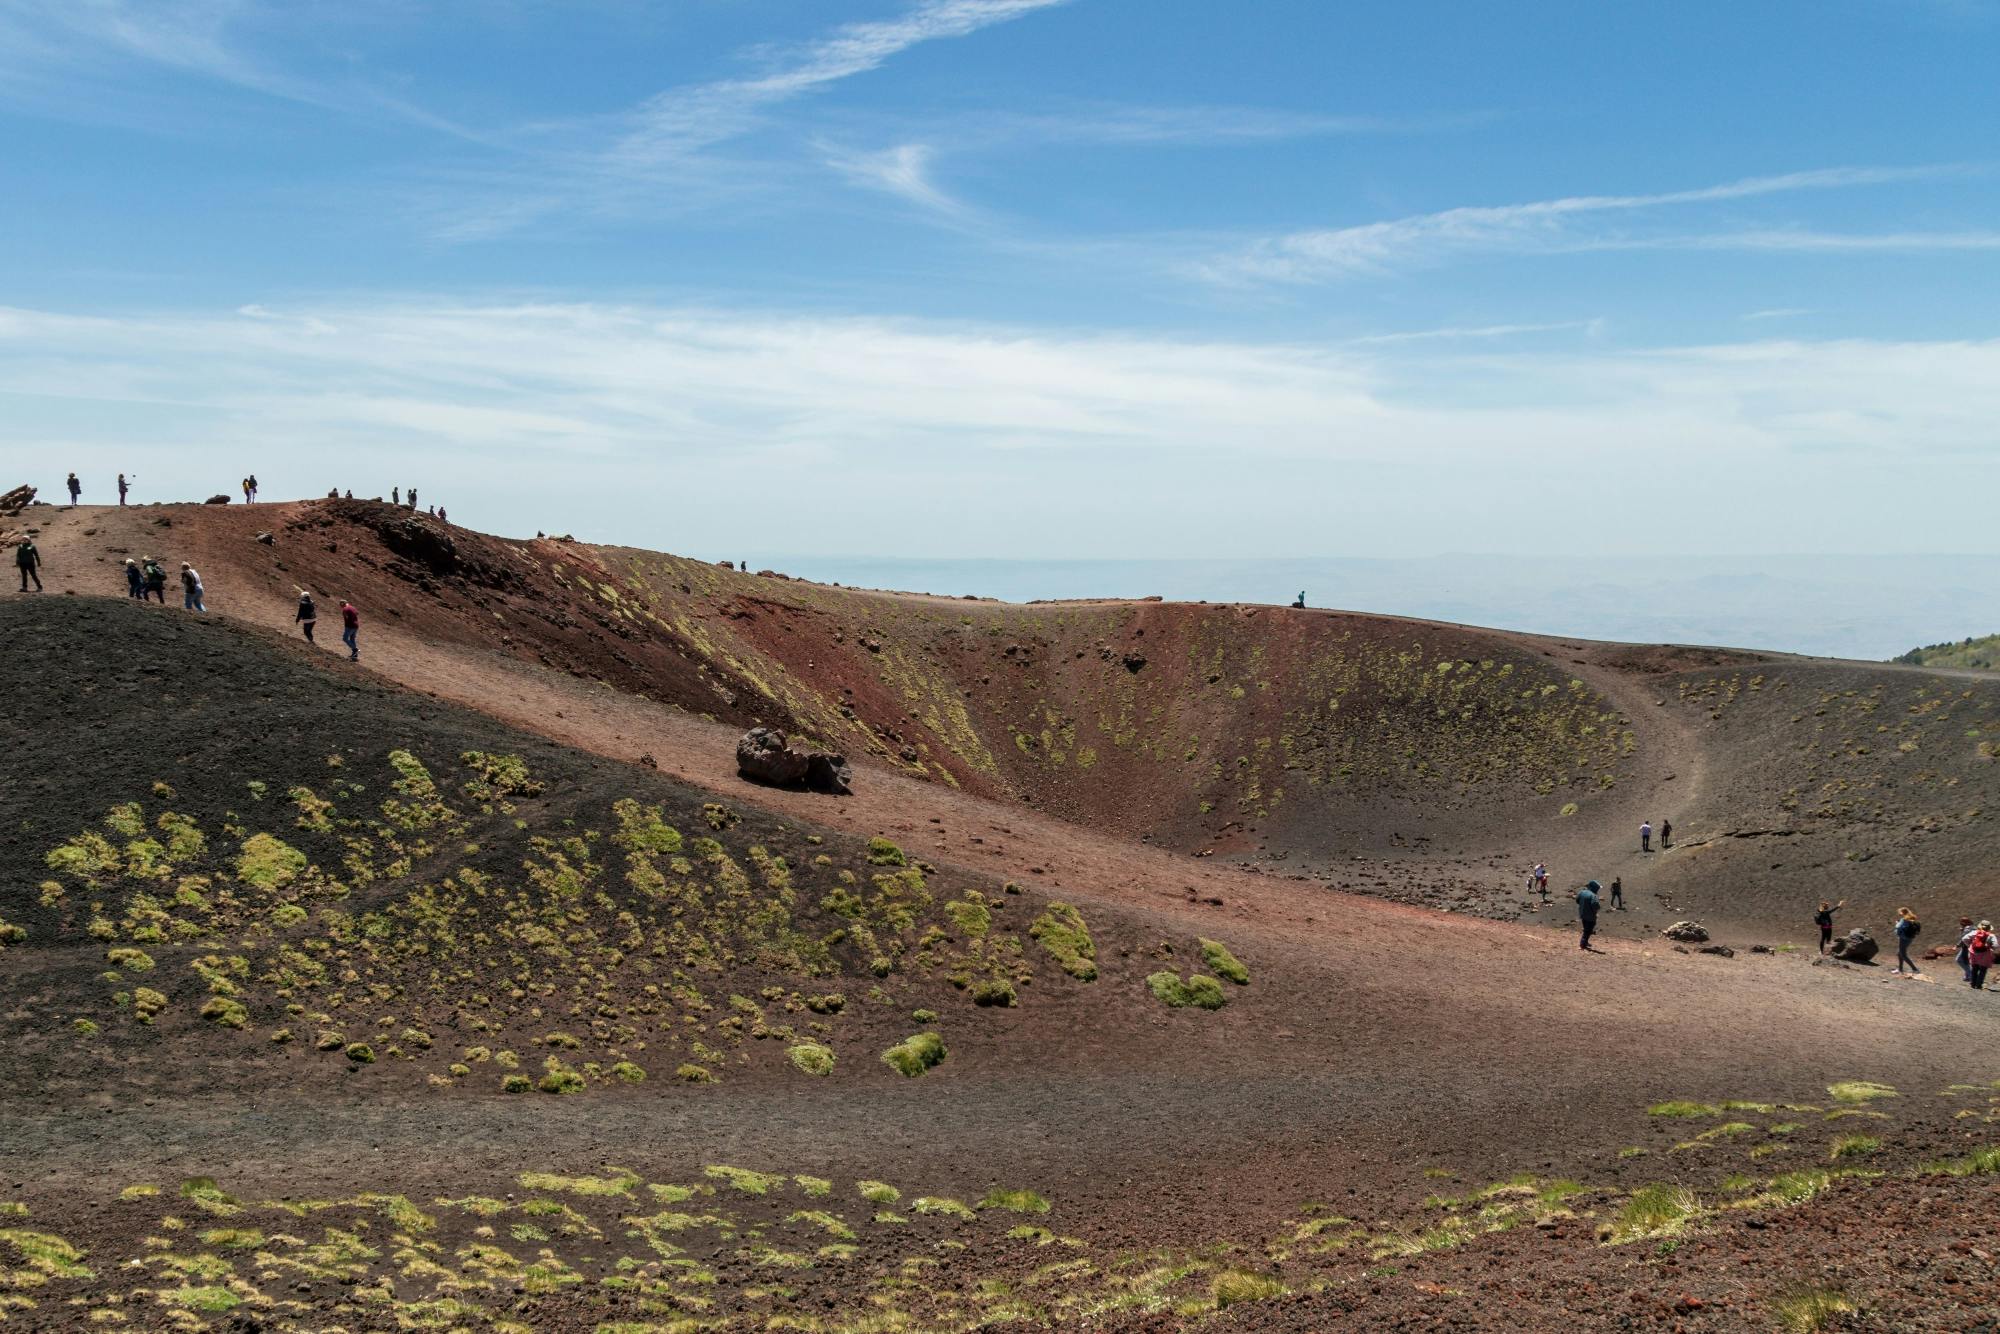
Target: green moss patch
[1199, 991]
[1224, 964]
[915, 1054]
[1061, 931]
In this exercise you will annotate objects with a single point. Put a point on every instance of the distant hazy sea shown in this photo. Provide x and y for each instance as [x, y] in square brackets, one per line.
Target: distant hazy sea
[1837, 606]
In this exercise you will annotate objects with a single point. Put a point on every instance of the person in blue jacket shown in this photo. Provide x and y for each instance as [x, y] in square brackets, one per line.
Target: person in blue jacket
[1907, 927]
[1586, 912]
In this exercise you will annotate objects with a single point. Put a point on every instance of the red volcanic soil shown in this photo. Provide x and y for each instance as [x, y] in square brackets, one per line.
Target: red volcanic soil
[1381, 1053]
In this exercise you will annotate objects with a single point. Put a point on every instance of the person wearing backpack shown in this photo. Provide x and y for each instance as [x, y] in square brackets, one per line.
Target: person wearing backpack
[156, 579]
[75, 488]
[308, 614]
[28, 560]
[1907, 927]
[1586, 912]
[1823, 919]
[1980, 948]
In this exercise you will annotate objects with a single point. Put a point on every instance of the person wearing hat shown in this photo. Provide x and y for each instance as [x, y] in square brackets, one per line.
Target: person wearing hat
[135, 582]
[1586, 911]
[191, 588]
[308, 613]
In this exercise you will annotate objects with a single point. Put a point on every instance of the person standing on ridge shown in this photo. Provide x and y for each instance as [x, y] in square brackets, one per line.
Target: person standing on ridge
[1979, 953]
[75, 488]
[1645, 836]
[1617, 894]
[253, 488]
[1823, 919]
[156, 579]
[395, 495]
[350, 622]
[308, 614]
[1301, 600]
[123, 487]
[135, 582]
[1586, 912]
[1907, 927]
[191, 588]
[29, 562]
[244, 486]
[413, 497]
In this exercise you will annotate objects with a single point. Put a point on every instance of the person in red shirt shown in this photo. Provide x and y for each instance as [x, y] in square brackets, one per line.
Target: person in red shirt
[350, 621]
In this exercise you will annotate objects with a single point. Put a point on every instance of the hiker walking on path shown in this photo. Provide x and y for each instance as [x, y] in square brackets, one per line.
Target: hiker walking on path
[1823, 919]
[350, 622]
[1586, 912]
[1979, 953]
[75, 488]
[1666, 834]
[1539, 880]
[1645, 836]
[123, 487]
[308, 614]
[1907, 927]
[135, 582]
[156, 579]
[1966, 931]
[29, 561]
[191, 588]
[1617, 894]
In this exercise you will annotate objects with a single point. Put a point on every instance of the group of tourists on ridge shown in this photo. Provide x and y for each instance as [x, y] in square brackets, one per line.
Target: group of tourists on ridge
[1978, 943]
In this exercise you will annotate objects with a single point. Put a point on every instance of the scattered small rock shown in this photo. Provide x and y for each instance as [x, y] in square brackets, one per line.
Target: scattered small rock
[266, 539]
[1722, 950]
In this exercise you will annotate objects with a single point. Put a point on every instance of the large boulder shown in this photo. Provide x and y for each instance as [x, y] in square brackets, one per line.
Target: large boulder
[1857, 946]
[1691, 932]
[763, 755]
[17, 500]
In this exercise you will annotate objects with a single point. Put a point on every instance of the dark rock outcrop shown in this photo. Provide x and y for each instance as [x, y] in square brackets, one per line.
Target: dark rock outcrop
[763, 755]
[1857, 946]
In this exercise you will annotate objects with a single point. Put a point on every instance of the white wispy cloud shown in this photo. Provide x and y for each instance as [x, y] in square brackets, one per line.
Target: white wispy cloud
[903, 171]
[1326, 254]
[73, 58]
[613, 418]
[679, 121]
[1453, 333]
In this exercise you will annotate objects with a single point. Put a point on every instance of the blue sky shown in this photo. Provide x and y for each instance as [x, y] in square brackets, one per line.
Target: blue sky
[1041, 278]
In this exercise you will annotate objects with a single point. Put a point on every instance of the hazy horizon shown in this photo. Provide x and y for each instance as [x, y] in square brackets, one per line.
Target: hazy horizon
[1866, 607]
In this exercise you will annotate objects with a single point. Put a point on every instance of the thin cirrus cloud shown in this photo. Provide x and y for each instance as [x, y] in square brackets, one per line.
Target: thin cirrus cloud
[903, 171]
[1552, 225]
[679, 121]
